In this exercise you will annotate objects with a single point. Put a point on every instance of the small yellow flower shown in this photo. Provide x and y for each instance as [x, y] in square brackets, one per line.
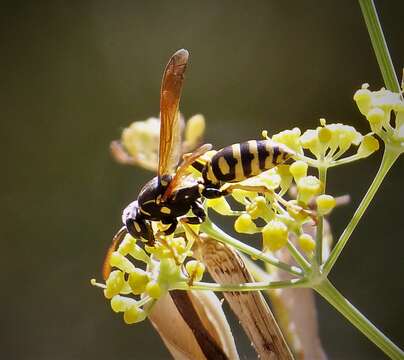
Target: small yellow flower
[195, 270]
[122, 303]
[308, 187]
[368, 146]
[363, 99]
[306, 243]
[244, 224]
[258, 208]
[298, 169]
[220, 205]
[121, 262]
[376, 118]
[275, 235]
[138, 280]
[291, 138]
[325, 203]
[153, 289]
[114, 284]
[134, 315]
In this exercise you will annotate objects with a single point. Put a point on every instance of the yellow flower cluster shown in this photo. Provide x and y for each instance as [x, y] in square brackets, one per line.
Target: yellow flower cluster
[378, 107]
[140, 141]
[280, 216]
[162, 270]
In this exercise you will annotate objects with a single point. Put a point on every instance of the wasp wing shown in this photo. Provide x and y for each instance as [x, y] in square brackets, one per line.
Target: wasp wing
[188, 159]
[117, 239]
[170, 125]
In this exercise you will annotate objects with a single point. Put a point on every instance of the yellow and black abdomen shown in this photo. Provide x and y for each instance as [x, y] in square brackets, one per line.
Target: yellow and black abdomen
[240, 161]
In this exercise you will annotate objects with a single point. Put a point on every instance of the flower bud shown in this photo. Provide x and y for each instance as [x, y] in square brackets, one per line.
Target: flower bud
[121, 262]
[195, 269]
[134, 315]
[325, 203]
[324, 134]
[220, 205]
[241, 195]
[368, 146]
[307, 187]
[138, 280]
[153, 289]
[298, 169]
[306, 243]
[363, 99]
[275, 235]
[244, 224]
[376, 118]
[290, 138]
[257, 208]
[114, 284]
[127, 244]
[121, 303]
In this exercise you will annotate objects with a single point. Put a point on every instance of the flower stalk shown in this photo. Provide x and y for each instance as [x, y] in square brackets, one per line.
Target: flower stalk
[379, 44]
[353, 315]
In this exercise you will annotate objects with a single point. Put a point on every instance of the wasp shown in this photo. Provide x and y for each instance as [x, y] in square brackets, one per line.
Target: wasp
[172, 194]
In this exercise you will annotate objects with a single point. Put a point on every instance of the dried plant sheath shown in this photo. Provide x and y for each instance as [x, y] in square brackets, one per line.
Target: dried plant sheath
[226, 266]
[205, 340]
[182, 341]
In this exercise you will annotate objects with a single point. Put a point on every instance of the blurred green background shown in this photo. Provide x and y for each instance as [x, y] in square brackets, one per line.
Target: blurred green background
[73, 74]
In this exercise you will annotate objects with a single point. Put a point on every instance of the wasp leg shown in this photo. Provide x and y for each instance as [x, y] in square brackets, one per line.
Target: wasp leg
[173, 226]
[212, 193]
[228, 188]
[199, 213]
[140, 228]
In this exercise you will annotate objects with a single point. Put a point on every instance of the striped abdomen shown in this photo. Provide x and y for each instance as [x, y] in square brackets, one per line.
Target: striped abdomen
[238, 162]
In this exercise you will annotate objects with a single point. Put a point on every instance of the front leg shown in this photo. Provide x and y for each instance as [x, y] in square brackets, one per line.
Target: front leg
[199, 213]
[228, 188]
[173, 225]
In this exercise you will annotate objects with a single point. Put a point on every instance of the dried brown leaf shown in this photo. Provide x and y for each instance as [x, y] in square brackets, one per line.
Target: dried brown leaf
[184, 342]
[226, 266]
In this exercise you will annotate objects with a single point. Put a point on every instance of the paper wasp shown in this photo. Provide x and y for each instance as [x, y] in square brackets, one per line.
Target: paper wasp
[172, 194]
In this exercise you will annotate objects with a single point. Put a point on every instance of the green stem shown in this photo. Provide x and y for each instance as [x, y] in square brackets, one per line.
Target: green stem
[255, 286]
[352, 314]
[388, 160]
[379, 44]
[298, 257]
[218, 234]
[318, 257]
